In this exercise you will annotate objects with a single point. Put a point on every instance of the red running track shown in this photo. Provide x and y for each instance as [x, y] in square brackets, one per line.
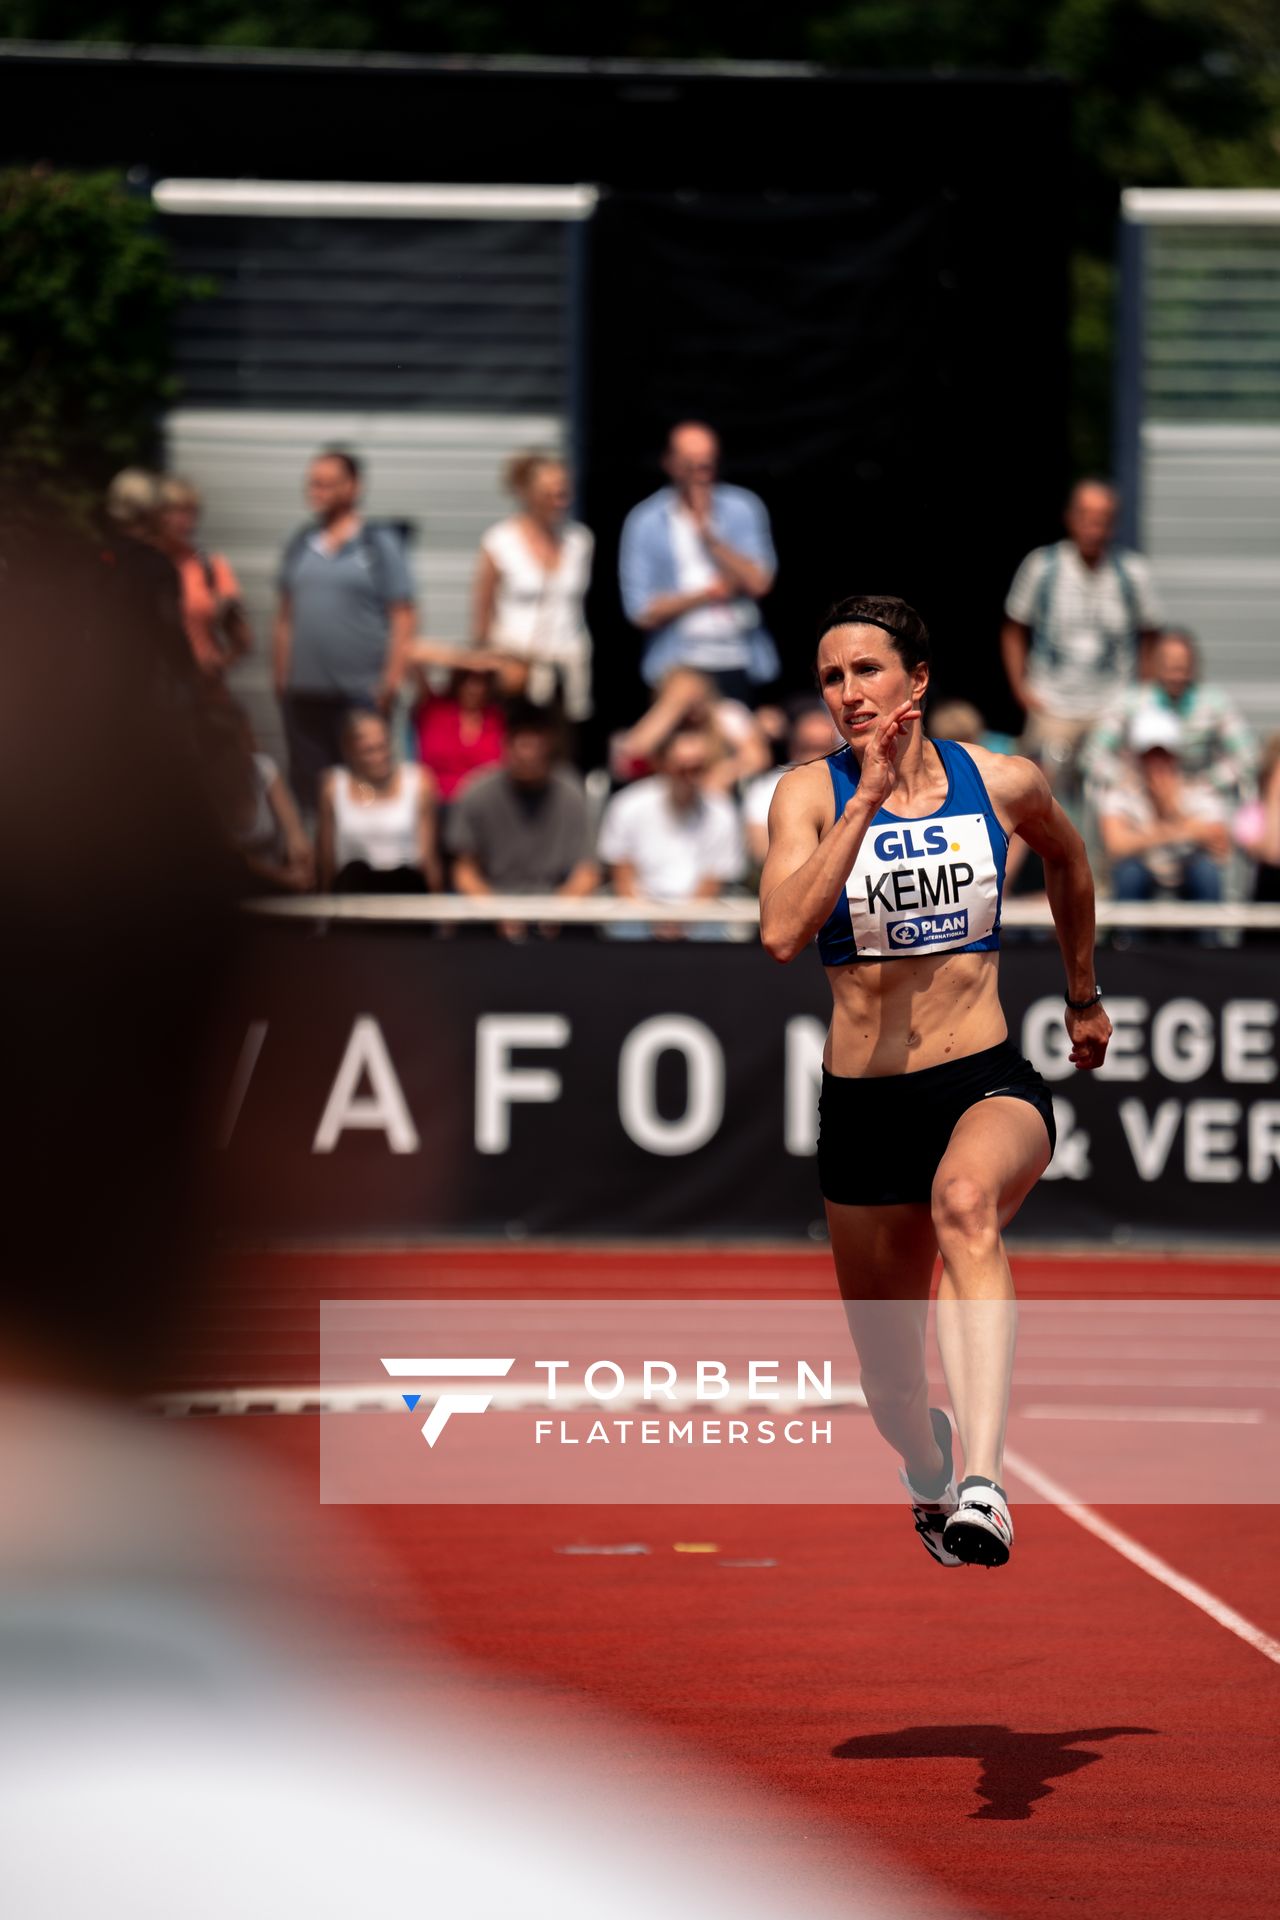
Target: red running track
[1064, 1735]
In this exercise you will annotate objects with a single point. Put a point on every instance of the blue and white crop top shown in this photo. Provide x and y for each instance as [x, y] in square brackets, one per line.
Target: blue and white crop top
[932, 885]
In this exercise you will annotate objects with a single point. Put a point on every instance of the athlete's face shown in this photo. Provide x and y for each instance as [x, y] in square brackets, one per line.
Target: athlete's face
[862, 679]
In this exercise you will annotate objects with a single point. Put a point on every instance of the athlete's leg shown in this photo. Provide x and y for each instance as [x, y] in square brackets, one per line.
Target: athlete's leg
[998, 1151]
[884, 1262]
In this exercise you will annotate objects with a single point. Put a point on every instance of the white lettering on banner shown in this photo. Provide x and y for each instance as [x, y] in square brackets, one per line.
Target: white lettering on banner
[637, 1072]
[1150, 1143]
[805, 1039]
[1248, 1040]
[251, 1047]
[1044, 1040]
[1125, 1059]
[1071, 1155]
[1182, 1040]
[1208, 1140]
[1264, 1139]
[383, 1110]
[499, 1085]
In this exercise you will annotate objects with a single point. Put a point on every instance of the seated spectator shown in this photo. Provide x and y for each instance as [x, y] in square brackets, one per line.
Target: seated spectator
[669, 838]
[377, 827]
[531, 580]
[216, 625]
[461, 731]
[961, 720]
[810, 736]
[695, 561]
[259, 812]
[522, 827]
[1216, 744]
[1162, 831]
[1257, 826]
[688, 700]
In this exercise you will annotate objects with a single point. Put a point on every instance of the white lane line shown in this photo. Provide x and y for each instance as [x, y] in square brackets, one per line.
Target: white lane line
[1207, 1416]
[509, 1397]
[1142, 1557]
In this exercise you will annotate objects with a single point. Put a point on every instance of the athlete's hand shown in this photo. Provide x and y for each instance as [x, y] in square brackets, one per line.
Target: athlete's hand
[879, 773]
[1089, 1032]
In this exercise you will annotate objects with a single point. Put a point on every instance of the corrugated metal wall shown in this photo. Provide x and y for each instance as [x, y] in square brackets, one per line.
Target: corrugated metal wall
[456, 315]
[1210, 443]
[433, 348]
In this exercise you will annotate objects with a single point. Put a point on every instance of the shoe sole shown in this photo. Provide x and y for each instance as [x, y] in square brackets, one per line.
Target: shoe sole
[975, 1545]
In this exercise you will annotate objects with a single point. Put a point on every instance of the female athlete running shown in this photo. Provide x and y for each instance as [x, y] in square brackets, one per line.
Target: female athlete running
[933, 1128]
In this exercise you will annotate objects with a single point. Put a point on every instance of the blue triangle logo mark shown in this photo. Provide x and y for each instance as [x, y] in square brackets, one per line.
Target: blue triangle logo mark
[411, 1400]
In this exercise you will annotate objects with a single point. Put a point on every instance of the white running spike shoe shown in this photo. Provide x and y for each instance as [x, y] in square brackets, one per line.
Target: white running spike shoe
[979, 1532]
[932, 1513]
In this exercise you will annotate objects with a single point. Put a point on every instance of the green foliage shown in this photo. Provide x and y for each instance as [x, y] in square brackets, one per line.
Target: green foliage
[87, 298]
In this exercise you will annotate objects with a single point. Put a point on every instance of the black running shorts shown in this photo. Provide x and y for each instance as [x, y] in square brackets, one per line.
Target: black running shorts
[880, 1140]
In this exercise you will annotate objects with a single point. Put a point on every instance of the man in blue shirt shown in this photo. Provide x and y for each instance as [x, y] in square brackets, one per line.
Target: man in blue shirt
[695, 560]
[345, 621]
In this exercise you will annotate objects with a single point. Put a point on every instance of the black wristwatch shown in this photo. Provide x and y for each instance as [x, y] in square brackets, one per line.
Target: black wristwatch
[1083, 1006]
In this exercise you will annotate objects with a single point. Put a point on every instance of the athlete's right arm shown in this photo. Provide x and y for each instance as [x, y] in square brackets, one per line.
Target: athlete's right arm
[804, 874]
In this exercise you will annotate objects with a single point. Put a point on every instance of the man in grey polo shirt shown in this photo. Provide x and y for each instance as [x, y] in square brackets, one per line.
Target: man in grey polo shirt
[523, 827]
[1078, 616]
[345, 621]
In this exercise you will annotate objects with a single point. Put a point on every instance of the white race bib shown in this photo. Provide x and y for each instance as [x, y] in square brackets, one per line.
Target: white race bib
[922, 886]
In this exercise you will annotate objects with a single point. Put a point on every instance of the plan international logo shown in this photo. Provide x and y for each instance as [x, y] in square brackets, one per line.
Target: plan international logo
[651, 1384]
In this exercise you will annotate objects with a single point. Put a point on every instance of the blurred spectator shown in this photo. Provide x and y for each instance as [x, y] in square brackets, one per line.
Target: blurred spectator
[460, 731]
[961, 720]
[377, 830]
[256, 807]
[696, 558]
[344, 625]
[1076, 614]
[145, 591]
[1163, 831]
[810, 736]
[217, 627]
[522, 828]
[1216, 744]
[1257, 825]
[531, 579]
[688, 699]
[668, 838]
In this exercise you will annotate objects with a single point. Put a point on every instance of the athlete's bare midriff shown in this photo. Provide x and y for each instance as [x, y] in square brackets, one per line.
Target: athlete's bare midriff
[897, 1016]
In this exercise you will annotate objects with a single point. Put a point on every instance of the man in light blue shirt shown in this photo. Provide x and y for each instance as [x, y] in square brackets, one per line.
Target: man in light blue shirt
[696, 559]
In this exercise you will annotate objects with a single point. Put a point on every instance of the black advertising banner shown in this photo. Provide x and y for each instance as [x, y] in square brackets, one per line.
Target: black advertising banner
[383, 1082]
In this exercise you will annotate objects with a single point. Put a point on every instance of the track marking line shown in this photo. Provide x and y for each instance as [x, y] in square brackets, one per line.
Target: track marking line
[1207, 1416]
[1142, 1557]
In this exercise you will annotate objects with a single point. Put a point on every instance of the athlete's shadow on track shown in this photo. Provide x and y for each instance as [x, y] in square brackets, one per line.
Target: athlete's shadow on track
[1016, 1767]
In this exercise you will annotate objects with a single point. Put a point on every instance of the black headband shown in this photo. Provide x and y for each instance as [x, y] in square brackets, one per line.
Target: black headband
[863, 620]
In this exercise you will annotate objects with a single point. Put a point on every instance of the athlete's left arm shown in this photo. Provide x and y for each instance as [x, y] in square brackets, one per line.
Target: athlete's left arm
[1022, 795]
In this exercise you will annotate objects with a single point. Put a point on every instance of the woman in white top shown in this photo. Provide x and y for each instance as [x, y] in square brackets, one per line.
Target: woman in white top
[531, 579]
[378, 829]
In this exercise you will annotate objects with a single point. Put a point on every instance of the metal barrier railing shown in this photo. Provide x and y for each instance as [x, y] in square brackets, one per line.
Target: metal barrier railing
[604, 910]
